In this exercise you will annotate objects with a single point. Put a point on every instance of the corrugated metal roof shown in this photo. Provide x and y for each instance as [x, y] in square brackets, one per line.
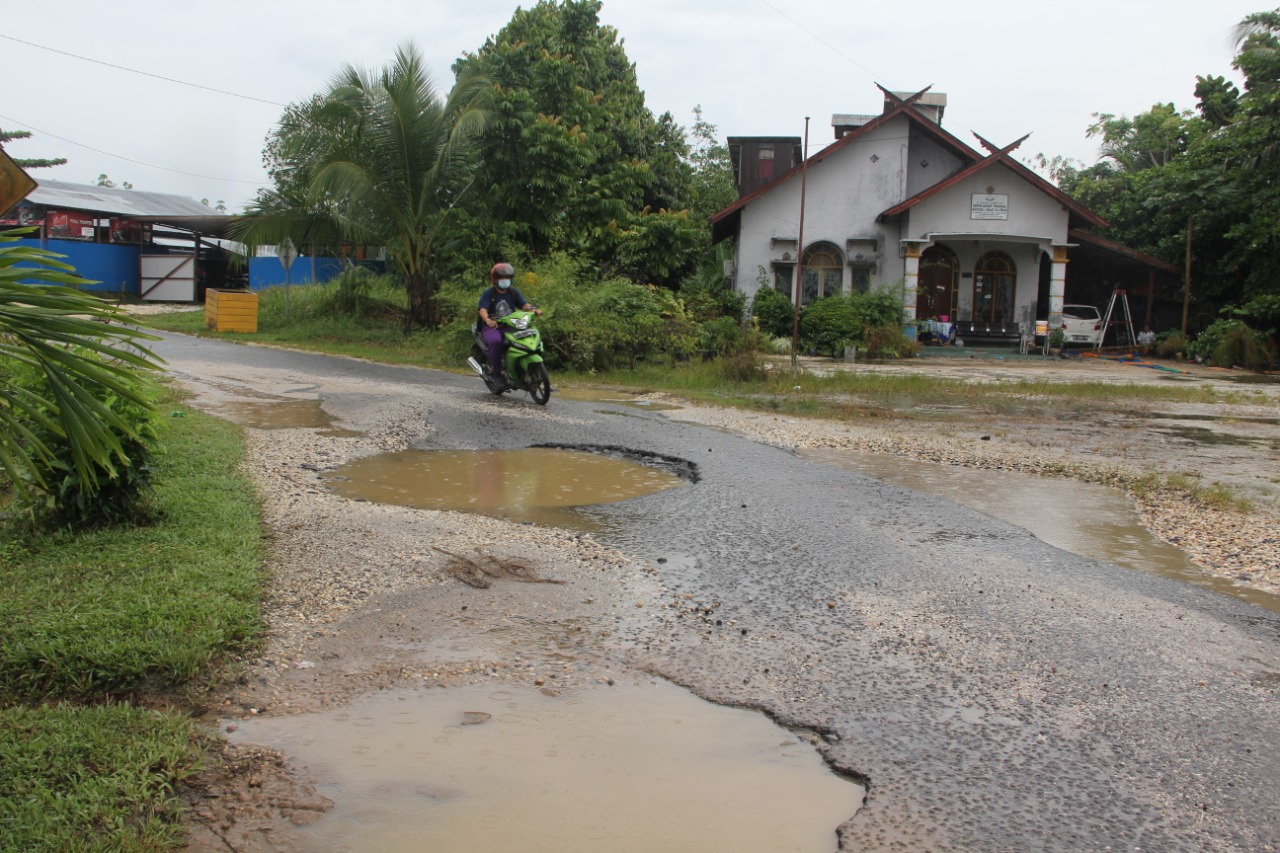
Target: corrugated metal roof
[89, 198]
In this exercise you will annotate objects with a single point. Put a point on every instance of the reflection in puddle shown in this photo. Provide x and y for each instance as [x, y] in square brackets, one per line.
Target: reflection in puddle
[539, 485]
[1084, 518]
[279, 414]
[595, 395]
[632, 767]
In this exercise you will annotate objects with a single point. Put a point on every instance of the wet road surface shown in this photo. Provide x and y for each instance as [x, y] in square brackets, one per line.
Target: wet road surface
[994, 692]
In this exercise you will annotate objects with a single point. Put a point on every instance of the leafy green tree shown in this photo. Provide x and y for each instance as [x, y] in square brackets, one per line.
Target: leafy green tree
[7, 136]
[86, 413]
[379, 159]
[573, 160]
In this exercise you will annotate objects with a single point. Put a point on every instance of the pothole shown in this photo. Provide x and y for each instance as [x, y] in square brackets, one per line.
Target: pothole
[1091, 520]
[633, 766]
[541, 485]
[279, 414]
[621, 398]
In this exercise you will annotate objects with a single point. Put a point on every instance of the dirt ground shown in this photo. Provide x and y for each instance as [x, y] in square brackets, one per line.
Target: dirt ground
[324, 653]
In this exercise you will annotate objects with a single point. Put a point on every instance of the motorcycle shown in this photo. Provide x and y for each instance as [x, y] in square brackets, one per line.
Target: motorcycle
[521, 357]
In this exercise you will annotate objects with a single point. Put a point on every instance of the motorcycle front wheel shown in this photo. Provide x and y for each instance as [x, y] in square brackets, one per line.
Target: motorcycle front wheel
[539, 384]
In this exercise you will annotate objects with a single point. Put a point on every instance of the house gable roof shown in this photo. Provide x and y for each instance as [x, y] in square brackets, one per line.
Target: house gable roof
[724, 223]
[1001, 155]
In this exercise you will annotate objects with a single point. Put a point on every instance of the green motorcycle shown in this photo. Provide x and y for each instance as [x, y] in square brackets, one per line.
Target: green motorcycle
[521, 358]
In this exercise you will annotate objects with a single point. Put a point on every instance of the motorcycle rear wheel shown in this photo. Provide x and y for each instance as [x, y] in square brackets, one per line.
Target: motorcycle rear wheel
[539, 384]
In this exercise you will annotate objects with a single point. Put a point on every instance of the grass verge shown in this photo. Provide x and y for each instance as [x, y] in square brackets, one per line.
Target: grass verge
[96, 618]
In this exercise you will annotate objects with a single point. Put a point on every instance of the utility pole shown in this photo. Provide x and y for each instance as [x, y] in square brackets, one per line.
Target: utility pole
[1186, 282]
[795, 290]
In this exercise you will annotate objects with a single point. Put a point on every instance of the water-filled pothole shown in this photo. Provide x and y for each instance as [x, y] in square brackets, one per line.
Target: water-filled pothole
[1083, 518]
[279, 414]
[630, 767]
[540, 485]
[622, 398]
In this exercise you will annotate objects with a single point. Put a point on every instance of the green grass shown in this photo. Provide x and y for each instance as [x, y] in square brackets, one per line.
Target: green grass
[97, 617]
[97, 778]
[376, 334]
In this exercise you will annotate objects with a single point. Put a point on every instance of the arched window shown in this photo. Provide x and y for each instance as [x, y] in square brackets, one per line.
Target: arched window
[823, 272]
[995, 280]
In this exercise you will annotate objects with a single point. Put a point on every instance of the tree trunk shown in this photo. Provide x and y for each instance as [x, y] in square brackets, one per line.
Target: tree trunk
[424, 309]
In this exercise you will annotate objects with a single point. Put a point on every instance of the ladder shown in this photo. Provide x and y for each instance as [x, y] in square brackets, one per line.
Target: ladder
[1123, 319]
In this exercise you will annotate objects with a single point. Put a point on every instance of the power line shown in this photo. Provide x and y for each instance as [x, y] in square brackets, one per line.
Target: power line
[129, 159]
[143, 73]
[827, 44]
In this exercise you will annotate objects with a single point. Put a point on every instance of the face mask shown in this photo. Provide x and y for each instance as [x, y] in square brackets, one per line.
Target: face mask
[504, 283]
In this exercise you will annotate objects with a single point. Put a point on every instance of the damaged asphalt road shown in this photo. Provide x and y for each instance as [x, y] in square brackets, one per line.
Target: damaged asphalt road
[993, 692]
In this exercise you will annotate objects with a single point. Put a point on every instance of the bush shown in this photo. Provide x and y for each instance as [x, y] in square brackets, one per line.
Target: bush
[1231, 343]
[720, 335]
[110, 492]
[830, 324]
[773, 312]
[885, 342]
[1171, 344]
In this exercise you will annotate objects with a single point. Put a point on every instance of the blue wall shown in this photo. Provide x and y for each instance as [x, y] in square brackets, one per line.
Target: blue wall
[113, 265]
[305, 269]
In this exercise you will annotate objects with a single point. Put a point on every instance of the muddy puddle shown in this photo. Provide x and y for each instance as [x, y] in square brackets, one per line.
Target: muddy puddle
[277, 413]
[539, 485]
[633, 766]
[1084, 518]
[621, 398]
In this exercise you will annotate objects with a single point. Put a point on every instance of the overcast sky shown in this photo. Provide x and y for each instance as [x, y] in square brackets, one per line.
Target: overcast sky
[757, 67]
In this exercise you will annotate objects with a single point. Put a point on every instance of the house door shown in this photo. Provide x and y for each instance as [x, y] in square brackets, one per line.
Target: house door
[939, 278]
[994, 285]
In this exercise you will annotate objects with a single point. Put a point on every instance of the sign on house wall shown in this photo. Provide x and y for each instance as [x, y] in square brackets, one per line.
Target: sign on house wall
[989, 206]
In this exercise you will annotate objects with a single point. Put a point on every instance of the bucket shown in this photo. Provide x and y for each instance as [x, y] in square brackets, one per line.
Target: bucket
[1042, 328]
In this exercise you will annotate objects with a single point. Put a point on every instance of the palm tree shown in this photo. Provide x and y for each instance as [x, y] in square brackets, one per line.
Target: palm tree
[84, 351]
[381, 160]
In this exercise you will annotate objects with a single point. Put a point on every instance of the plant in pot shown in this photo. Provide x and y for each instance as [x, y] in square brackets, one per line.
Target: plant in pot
[1056, 339]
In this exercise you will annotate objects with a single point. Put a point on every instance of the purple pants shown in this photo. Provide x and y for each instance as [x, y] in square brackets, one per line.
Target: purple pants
[493, 340]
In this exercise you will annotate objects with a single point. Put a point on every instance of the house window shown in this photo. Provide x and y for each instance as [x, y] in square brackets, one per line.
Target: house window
[994, 282]
[782, 278]
[765, 163]
[823, 272]
[861, 277]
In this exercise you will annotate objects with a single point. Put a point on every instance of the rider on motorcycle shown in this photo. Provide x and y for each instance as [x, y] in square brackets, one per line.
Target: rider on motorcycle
[499, 300]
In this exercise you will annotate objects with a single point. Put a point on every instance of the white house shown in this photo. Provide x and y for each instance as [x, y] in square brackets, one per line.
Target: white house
[897, 201]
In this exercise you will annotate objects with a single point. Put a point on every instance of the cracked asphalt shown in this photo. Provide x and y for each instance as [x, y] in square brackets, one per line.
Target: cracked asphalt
[994, 693]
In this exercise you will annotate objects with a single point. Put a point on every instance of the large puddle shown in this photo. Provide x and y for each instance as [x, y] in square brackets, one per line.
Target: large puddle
[539, 485]
[278, 414]
[627, 768]
[1083, 518]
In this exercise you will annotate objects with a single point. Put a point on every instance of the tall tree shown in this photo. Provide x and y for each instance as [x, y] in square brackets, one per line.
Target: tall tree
[7, 136]
[379, 159]
[573, 159]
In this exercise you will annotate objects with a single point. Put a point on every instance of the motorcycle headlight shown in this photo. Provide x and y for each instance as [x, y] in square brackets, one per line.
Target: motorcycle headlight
[520, 322]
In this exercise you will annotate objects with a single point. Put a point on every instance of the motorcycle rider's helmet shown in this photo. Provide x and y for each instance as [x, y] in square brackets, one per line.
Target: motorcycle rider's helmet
[504, 272]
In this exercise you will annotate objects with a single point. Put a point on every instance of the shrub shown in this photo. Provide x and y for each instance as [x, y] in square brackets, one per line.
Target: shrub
[828, 325]
[889, 341]
[110, 492]
[1171, 344]
[1231, 343]
[720, 335]
[773, 312]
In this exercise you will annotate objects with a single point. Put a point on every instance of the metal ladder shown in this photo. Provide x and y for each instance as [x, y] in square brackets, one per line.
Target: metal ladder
[1125, 322]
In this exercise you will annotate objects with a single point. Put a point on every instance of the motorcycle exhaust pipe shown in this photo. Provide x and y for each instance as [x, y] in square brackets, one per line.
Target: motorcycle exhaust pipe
[475, 365]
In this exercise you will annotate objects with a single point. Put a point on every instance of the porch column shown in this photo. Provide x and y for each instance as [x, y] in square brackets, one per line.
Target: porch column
[1057, 287]
[911, 288]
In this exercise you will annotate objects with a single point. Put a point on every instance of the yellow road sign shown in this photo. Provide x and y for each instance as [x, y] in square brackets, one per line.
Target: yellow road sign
[15, 184]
